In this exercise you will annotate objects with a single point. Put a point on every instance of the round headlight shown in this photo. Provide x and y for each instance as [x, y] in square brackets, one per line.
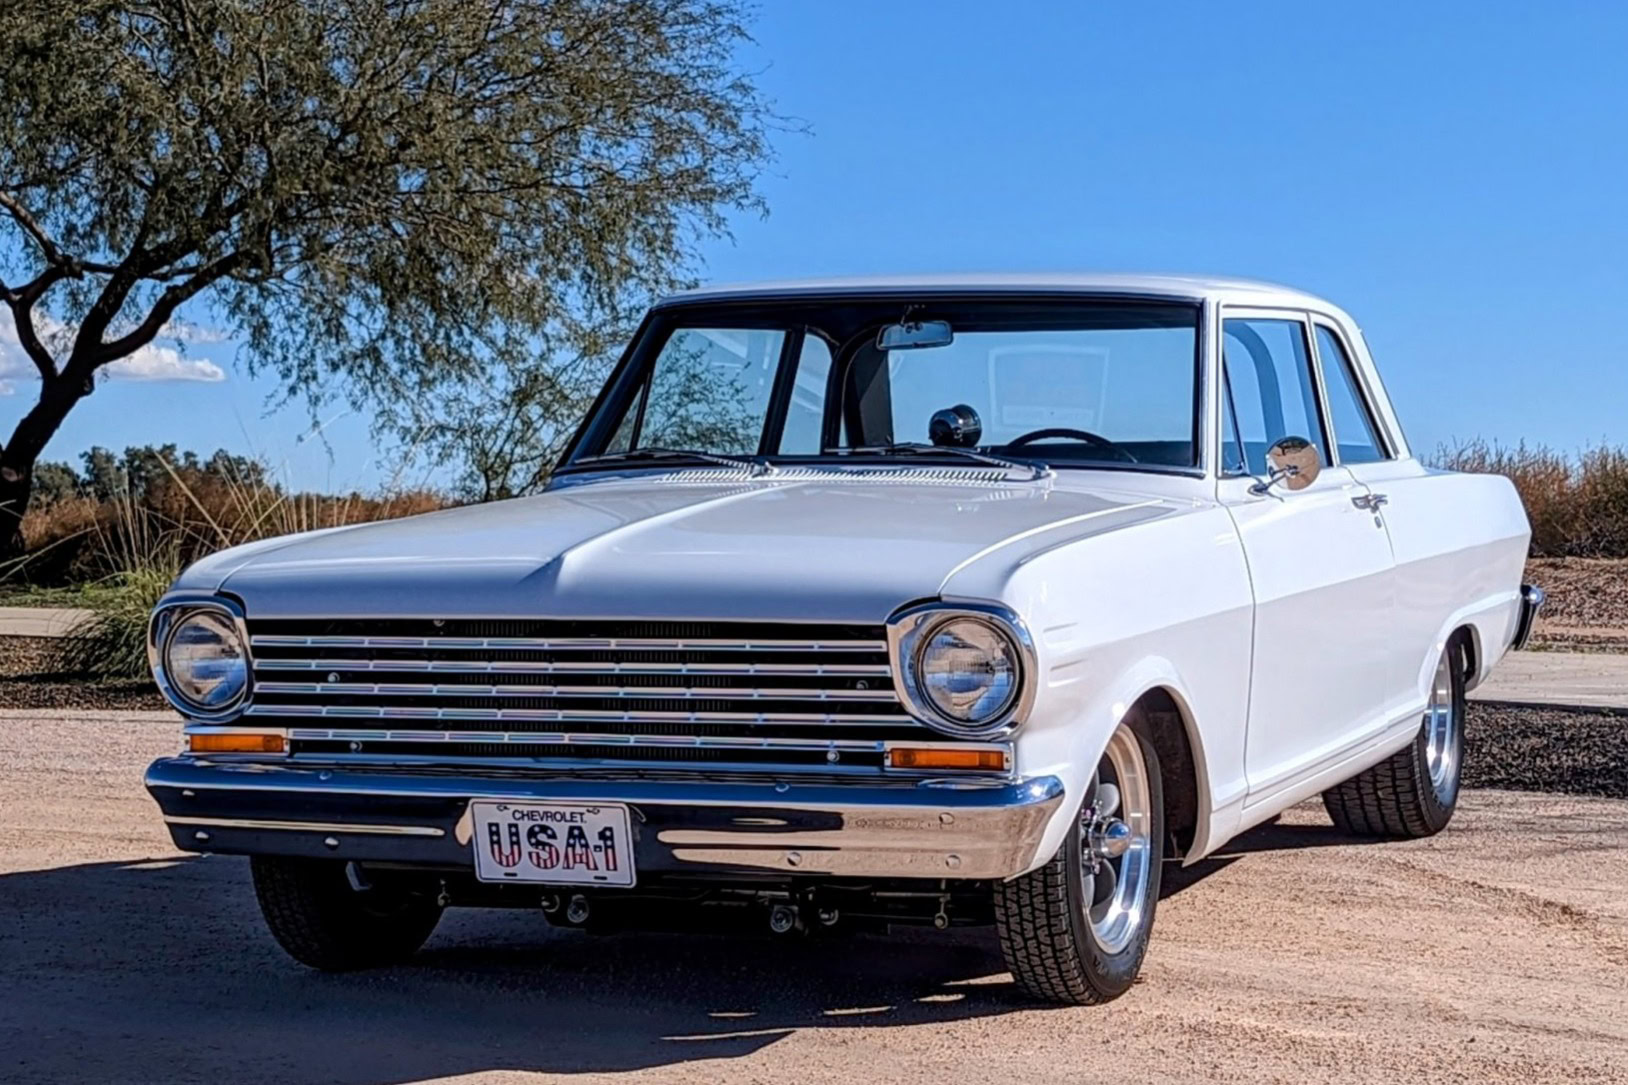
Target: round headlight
[204, 661]
[968, 669]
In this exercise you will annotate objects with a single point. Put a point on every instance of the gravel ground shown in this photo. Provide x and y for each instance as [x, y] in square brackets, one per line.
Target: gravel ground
[1492, 953]
[1581, 752]
[30, 677]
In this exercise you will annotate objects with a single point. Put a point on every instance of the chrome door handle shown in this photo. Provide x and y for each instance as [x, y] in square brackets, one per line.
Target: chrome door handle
[1371, 502]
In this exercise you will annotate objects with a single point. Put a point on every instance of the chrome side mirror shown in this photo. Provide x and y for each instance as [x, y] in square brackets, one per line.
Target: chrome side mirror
[1295, 462]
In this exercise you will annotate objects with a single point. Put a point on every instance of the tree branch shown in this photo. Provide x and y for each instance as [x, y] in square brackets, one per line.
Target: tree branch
[21, 303]
[89, 358]
[53, 255]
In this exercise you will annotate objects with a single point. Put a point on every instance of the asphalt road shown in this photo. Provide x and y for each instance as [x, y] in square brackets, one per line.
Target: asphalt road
[1495, 952]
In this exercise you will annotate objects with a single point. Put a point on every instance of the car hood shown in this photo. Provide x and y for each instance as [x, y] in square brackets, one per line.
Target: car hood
[836, 549]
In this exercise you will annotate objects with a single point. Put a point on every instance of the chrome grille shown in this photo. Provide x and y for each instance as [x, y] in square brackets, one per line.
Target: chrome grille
[782, 694]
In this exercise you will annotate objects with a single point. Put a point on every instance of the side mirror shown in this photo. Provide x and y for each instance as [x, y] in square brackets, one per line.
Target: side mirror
[1295, 462]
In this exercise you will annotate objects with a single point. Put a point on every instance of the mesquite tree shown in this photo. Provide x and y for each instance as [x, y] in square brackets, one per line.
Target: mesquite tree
[378, 199]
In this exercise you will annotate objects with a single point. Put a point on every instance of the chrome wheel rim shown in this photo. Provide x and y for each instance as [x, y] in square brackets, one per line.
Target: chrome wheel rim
[1441, 730]
[1116, 844]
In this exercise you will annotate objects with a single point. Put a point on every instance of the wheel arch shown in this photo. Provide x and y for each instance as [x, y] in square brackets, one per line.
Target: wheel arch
[1168, 723]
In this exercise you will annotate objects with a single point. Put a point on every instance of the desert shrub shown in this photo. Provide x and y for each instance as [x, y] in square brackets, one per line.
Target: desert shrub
[1578, 505]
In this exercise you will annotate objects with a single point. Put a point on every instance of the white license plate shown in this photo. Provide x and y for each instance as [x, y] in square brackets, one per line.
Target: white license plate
[557, 843]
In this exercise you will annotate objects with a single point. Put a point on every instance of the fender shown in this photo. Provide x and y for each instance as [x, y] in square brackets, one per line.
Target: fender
[1491, 622]
[1071, 752]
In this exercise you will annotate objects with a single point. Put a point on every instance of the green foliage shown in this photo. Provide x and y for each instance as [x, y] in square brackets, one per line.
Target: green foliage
[386, 200]
[1578, 506]
[112, 643]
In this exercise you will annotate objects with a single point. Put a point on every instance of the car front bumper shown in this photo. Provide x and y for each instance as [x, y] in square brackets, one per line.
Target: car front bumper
[892, 829]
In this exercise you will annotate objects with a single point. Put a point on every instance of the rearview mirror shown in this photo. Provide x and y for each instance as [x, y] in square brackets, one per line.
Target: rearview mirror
[914, 335]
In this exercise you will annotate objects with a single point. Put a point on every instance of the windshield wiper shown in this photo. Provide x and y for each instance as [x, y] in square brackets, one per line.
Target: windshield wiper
[1036, 469]
[757, 467]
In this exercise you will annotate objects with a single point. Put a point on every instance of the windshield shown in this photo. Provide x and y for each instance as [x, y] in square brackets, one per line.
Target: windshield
[1080, 382]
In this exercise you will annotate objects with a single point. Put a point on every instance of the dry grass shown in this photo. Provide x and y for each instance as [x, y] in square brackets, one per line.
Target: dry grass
[1578, 505]
[187, 514]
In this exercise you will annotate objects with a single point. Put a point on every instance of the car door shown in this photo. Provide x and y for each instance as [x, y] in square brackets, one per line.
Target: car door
[1319, 560]
[1433, 574]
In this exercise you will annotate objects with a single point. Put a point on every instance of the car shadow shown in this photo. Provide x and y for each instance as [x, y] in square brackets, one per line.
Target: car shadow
[1272, 836]
[162, 971]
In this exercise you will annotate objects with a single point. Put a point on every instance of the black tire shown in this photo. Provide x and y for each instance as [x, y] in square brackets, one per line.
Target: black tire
[1397, 799]
[323, 920]
[1041, 916]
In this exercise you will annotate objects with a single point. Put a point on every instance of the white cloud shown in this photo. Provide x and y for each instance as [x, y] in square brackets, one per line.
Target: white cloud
[150, 363]
[155, 363]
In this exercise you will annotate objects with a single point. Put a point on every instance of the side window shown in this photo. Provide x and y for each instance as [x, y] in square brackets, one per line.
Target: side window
[1355, 434]
[708, 388]
[805, 414]
[1267, 392]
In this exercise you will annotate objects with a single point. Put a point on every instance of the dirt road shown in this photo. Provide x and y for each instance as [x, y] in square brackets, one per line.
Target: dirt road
[1496, 952]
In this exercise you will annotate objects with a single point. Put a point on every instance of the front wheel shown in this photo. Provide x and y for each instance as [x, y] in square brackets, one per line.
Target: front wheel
[331, 915]
[1076, 929]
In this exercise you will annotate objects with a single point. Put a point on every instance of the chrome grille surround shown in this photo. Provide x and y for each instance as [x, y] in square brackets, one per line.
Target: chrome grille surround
[780, 696]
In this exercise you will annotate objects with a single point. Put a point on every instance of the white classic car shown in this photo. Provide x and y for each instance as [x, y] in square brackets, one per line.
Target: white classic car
[859, 603]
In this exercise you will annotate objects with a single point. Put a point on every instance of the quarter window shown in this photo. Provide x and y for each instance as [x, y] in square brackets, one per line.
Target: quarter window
[1355, 435]
[1267, 392]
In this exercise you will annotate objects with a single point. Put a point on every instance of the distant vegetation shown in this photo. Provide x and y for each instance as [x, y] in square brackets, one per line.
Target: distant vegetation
[151, 511]
[1578, 505]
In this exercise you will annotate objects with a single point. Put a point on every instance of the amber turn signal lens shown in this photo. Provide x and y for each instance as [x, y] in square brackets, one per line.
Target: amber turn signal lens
[236, 743]
[907, 757]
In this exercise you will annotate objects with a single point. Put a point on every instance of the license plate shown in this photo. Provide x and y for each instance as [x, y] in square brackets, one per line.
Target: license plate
[556, 843]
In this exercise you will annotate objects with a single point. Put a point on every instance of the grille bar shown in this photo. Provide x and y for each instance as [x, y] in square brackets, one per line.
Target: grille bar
[554, 715]
[554, 644]
[581, 666]
[666, 693]
[557, 738]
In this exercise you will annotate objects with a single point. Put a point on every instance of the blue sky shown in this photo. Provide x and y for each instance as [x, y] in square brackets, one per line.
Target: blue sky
[1451, 173]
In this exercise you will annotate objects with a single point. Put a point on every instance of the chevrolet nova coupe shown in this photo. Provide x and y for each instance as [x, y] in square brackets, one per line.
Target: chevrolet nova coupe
[861, 603]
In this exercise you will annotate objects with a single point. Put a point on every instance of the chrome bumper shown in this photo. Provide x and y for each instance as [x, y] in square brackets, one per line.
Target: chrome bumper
[932, 829]
[1531, 602]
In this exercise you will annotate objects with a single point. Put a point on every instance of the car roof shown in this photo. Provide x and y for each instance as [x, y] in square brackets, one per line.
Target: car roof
[1175, 287]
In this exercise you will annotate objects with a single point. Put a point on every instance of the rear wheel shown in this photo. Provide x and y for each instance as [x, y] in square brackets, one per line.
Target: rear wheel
[328, 914]
[1414, 792]
[1076, 929]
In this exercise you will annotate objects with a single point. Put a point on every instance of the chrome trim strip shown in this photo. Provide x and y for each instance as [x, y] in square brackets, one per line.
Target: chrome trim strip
[582, 667]
[907, 628]
[664, 644]
[290, 778]
[309, 826]
[554, 715]
[657, 693]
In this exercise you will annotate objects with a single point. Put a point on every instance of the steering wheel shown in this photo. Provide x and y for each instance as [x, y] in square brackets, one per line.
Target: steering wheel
[1096, 440]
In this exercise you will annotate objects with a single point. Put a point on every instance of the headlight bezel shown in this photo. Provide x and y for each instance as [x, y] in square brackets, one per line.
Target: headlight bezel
[911, 630]
[167, 617]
